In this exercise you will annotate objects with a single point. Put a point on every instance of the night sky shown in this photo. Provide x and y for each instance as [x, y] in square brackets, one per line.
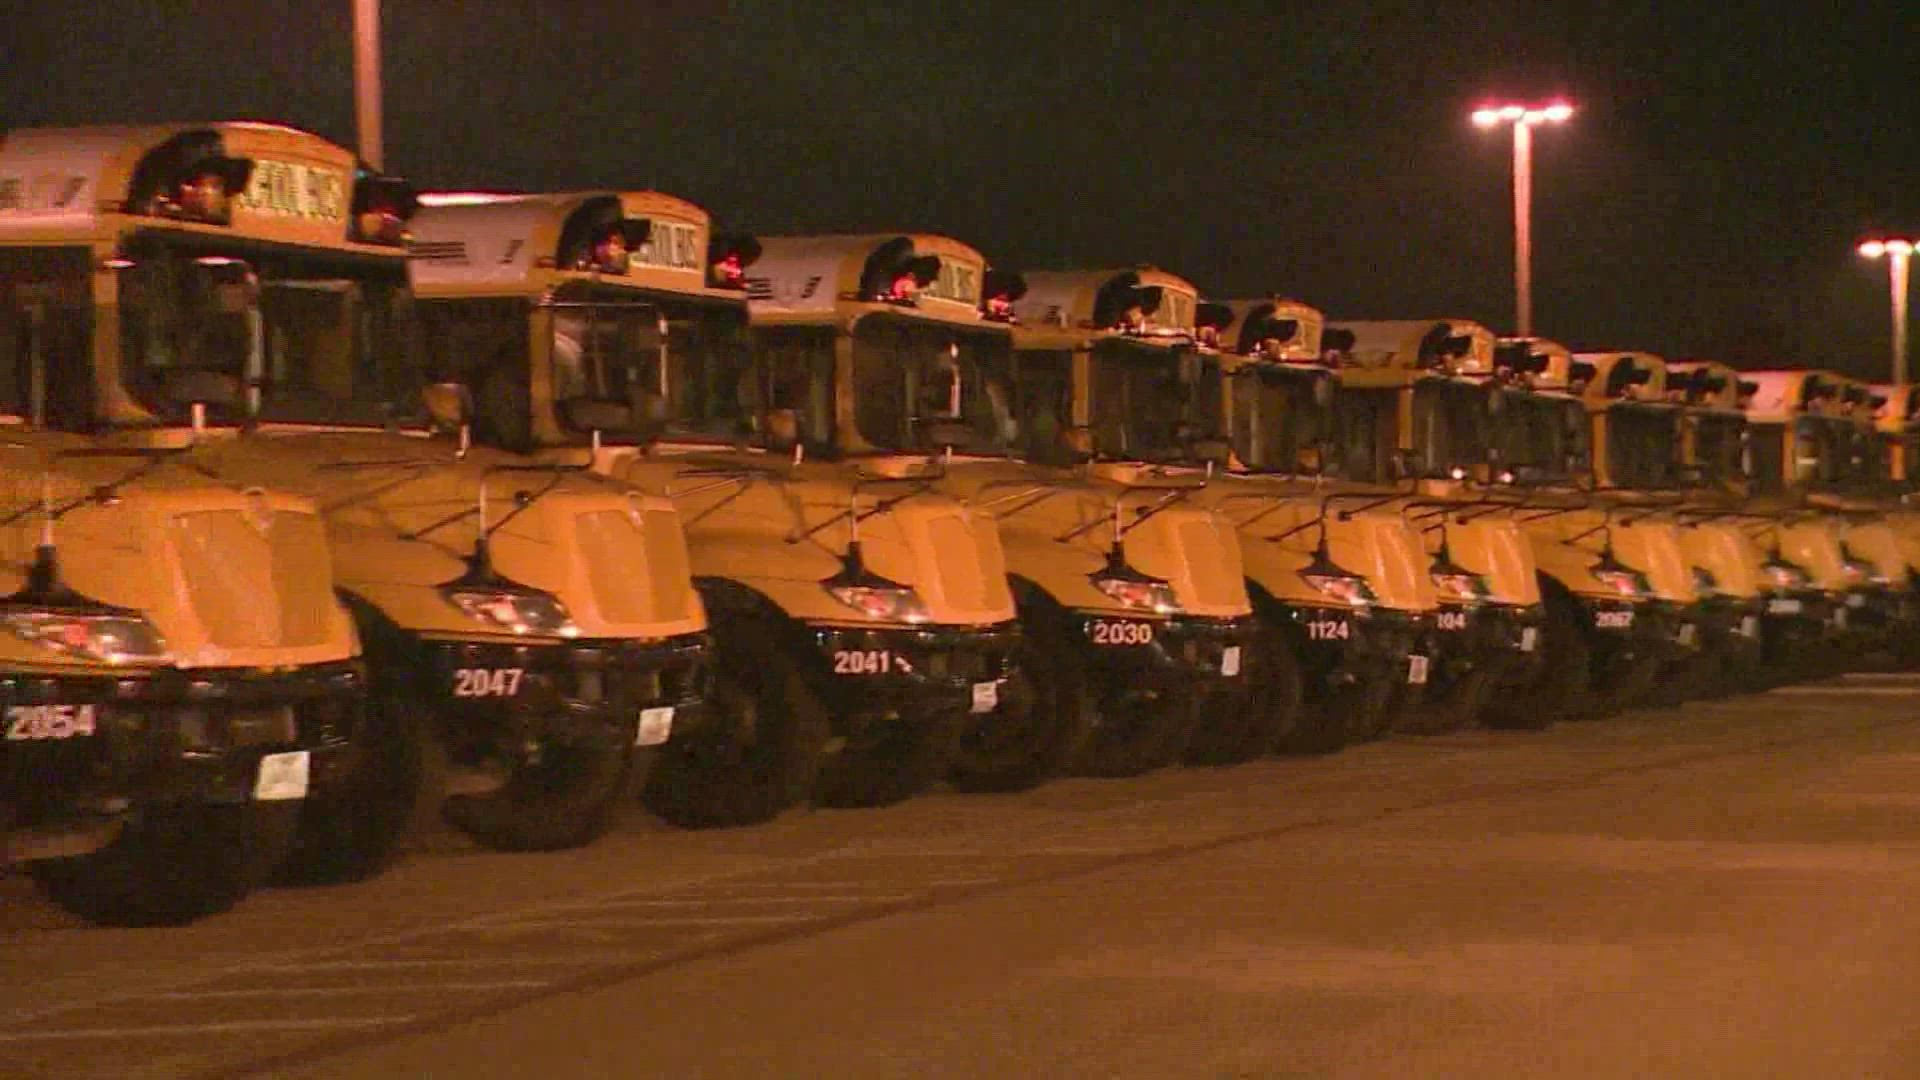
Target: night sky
[1705, 201]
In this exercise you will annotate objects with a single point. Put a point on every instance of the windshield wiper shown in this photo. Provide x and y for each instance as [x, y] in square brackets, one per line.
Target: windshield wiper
[155, 457]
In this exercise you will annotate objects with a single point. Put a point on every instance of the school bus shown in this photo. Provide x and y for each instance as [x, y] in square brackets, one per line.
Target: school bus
[532, 633]
[1326, 435]
[1109, 410]
[178, 679]
[1505, 421]
[1644, 424]
[1814, 462]
[863, 619]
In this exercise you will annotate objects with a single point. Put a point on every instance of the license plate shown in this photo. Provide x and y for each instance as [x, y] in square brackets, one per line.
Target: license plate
[1529, 638]
[986, 697]
[656, 724]
[1417, 670]
[33, 722]
[487, 682]
[281, 777]
[1750, 626]
[1787, 606]
[1840, 618]
[1613, 620]
[1120, 632]
[1856, 600]
[1230, 660]
[1687, 634]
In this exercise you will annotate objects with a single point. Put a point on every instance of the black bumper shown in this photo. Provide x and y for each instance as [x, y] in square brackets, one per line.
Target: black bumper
[1338, 647]
[901, 669]
[1501, 639]
[168, 737]
[1168, 653]
[589, 692]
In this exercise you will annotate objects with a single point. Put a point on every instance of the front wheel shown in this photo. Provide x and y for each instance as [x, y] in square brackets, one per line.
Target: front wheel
[761, 751]
[350, 831]
[556, 796]
[1044, 718]
[171, 865]
[1258, 719]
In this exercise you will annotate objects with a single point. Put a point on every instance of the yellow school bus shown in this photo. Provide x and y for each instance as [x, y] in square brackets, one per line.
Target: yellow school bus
[863, 618]
[532, 633]
[1116, 416]
[179, 678]
[1813, 464]
[1502, 419]
[1325, 436]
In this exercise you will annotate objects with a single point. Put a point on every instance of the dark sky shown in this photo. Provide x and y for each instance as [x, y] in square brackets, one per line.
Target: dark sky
[1705, 201]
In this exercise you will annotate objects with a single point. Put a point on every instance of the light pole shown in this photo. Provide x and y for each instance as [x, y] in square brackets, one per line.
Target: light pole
[1897, 250]
[1524, 119]
[366, 80]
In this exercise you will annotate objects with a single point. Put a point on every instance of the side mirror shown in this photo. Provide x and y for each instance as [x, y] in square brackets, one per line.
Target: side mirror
[449, 405]
[1408, 464]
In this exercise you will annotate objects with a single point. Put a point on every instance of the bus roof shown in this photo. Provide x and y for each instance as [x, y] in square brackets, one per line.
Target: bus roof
[822, 279]
[1781, 395]
[471, 243]
[1274, 328]
[1619, 375]
[1087, 304]
[1706, 384]
[1450, 346]
[85, 183]
[1539, 363]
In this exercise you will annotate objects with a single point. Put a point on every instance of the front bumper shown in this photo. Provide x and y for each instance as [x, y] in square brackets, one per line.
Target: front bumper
[904, 669]
[1501, 639]
[587, 693]
[168, 736]
[1338, 647]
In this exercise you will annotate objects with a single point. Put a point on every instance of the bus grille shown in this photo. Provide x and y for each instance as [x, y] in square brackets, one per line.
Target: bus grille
[638, 569]
[253, 587]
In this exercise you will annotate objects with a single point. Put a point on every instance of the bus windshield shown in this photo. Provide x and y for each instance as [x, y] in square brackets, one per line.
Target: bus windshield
[284, 337]
[1719, 445]
[1277, 416]
[1450, 423]
[914, 379]
[1643, 443]
[46, 330]
[1543, 435]
[676, 365]
[1153, 403]
[1821, 446]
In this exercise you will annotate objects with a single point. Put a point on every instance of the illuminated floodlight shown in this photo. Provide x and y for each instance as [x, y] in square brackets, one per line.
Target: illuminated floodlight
[1559, 112]
[1873, 249]
[1486, 118]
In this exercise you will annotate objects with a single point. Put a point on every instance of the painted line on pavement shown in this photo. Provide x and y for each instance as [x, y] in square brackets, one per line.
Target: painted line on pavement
[321, 1023]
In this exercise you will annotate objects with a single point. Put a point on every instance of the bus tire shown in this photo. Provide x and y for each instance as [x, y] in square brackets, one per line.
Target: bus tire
[1046, 714]
[1135, 733]
[1564, 686]
[565, 799]
[350, 832]
[762, 750]
[893, 758]
[1269, 709]
[173, 864]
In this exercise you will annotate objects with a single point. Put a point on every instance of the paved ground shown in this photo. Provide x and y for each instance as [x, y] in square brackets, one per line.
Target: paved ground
[1717, 891]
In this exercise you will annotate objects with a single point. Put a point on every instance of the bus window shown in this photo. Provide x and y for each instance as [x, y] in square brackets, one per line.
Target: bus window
[45, 309]
[1043, 404]
[910, 375]
[482, 344]
[793, 385]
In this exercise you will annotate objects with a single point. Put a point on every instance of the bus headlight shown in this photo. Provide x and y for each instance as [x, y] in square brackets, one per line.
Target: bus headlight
[517, 611]
[1137, 592]
[117, 638]
[887, 603]
[1784, 575]
[1461, 588]
[1629, 584]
